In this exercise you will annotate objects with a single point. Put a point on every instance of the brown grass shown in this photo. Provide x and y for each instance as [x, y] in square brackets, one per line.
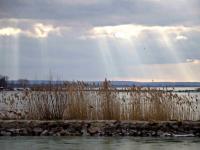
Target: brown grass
[83, 102]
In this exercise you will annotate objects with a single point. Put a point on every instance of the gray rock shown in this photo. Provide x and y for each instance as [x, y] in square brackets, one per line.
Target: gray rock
[24, 131]
[183, 135]
[99, 128]
[4, 133]
[45, 133]
[57, 134]
[93, 130]
[37, 131]
[166, 135]
[84, 132]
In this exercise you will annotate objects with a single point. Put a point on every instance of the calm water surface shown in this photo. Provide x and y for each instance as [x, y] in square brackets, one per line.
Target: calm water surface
[95, 143]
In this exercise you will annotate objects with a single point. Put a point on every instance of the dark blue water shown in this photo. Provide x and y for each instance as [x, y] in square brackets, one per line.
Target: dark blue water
[95, 143]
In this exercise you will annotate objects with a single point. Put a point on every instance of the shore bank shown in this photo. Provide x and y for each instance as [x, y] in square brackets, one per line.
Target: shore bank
[99, 128]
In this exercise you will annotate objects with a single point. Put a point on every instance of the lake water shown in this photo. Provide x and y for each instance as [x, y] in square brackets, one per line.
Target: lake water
[98, 143]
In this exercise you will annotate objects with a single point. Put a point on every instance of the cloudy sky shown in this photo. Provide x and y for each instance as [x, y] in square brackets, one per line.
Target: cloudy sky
[137, 40]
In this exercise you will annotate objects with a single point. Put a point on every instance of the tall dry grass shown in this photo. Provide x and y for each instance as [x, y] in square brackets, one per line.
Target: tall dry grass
[80, 101]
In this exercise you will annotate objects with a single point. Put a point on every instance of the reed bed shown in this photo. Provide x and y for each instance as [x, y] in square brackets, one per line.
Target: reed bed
[79, 101]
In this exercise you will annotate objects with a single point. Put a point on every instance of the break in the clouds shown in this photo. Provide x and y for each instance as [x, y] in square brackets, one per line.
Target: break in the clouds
[38, 31]
[141, 40]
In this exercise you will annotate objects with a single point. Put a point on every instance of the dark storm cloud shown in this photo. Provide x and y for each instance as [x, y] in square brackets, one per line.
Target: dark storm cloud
[105, 12]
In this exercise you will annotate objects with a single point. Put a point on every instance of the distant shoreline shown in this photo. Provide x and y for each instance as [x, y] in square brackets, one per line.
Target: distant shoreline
[113, 83]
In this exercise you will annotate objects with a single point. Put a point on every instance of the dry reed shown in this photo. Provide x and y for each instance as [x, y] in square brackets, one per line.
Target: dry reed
[80, 101]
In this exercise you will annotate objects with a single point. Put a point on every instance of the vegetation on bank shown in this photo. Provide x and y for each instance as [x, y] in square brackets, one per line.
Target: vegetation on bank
[80, 101]
[3, 82]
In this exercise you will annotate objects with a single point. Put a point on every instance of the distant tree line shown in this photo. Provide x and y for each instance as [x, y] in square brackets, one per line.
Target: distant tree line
[5, 84]
[20, 83]
[23, 83]
[3, 81]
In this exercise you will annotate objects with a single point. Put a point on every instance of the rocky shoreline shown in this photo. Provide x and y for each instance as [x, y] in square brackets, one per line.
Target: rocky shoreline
[99, 128]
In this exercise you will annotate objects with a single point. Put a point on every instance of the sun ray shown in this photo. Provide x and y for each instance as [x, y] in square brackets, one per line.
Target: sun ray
[9, 47]
[130, 45]
[44, 58]
[16, 56]
[108, 60]
[182, 68]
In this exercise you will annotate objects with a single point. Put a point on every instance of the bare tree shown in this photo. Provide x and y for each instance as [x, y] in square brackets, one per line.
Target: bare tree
[3, 81]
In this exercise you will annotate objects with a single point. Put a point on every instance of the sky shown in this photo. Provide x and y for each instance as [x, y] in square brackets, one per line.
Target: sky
[135, 40]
